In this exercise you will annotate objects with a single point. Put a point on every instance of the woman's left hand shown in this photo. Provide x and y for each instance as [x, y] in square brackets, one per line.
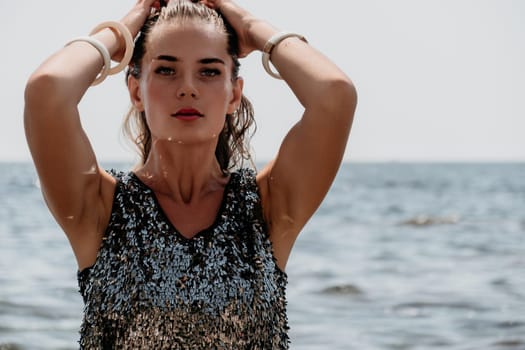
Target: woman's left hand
[244, 23]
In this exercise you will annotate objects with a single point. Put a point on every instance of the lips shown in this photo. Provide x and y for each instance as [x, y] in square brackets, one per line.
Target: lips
[188, 114]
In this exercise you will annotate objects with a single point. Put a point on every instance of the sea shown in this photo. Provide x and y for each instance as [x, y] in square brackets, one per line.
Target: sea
[399, 256]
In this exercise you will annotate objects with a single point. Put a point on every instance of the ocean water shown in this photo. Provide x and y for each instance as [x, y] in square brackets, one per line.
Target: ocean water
[399, 256]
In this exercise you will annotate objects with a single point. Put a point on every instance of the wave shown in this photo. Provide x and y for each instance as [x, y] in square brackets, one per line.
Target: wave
[439, 305]
[510, 344]
[426, 220]
[346, 289]
[10, 346]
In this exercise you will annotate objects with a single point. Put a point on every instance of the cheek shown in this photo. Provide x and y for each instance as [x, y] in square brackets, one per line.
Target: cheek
[224, 94]
[154, 98]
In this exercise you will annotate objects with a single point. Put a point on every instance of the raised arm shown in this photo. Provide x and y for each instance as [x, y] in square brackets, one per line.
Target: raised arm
[294, 184]
[77, 191]
[311, 153]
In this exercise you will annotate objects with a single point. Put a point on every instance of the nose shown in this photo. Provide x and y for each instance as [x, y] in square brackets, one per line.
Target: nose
[187, 88]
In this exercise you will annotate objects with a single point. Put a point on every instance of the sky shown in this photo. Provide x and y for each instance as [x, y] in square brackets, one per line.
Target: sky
[437, 80]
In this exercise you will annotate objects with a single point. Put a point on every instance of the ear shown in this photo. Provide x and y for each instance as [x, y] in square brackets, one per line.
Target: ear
[134, 93]
[235, 101]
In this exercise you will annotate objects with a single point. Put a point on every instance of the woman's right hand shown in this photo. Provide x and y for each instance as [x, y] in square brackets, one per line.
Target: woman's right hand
[136, 17]
[252, 32]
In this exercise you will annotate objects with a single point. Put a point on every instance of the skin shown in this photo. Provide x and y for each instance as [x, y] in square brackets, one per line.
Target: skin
[185, 150]
[182, 169]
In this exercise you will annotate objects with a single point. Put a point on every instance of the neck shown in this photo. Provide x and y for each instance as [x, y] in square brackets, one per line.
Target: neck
[185, 173]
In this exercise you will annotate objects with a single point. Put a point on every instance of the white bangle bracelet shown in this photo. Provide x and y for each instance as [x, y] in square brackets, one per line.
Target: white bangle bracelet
[126, 34]
[269, 46]
[103, 52]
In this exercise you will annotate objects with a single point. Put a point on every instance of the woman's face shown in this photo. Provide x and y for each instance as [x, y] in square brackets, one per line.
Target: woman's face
[186, 86]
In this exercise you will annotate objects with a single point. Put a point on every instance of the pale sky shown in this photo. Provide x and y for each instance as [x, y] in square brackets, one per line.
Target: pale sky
[440, 80]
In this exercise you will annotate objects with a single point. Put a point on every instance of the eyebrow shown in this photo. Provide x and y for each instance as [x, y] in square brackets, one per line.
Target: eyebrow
[209, 60]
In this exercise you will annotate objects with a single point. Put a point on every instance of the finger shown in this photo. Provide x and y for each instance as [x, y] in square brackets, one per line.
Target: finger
[210, 4]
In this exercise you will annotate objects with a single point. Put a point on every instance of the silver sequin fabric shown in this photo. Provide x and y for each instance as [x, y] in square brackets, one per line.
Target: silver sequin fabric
[152, 288]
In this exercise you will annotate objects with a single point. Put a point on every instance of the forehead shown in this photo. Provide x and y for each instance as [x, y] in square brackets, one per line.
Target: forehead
[190, 40]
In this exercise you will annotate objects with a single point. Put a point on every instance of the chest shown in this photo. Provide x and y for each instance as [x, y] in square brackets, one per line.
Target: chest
[210, 273]
[193, 218]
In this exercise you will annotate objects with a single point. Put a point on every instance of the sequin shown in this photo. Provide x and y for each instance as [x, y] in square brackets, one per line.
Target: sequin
[152, 288]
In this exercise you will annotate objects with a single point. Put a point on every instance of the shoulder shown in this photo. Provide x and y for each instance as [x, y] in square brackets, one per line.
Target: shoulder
[246, 181]
[243, 189]
[122, 191]
[124, 181]
[120, 176]
[128, 191]
[245, 177]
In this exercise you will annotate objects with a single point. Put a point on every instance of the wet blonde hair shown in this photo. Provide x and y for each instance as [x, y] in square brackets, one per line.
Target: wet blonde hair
[233, 141]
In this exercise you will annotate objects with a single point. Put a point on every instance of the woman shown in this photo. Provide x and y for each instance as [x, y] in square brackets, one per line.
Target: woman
[184, 252]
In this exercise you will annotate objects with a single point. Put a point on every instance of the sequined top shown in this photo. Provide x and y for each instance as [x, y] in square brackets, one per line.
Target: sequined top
[152, 288]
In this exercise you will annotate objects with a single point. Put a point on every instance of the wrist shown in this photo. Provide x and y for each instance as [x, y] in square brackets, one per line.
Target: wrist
[260, 32]
[275, 40]
[122, 49]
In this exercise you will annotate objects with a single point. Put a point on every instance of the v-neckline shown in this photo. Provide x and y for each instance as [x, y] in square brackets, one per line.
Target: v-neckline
[165, 217]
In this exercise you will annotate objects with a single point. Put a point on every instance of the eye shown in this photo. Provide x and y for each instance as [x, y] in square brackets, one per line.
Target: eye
[164, 70]
[210, 72]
